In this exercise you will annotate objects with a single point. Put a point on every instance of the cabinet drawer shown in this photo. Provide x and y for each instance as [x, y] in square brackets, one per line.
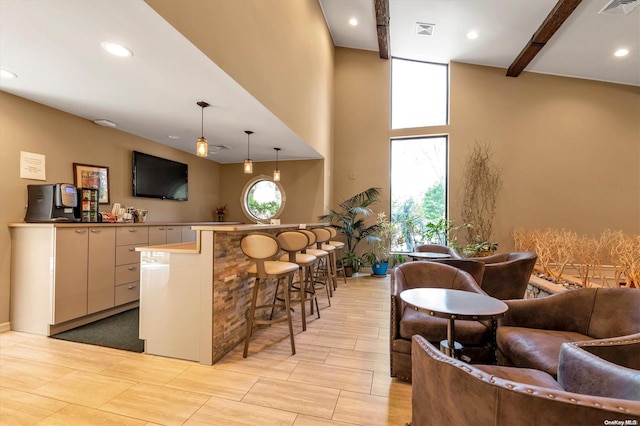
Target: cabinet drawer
[127, 273]
[127, 254]
[127, 293]
[132, 235]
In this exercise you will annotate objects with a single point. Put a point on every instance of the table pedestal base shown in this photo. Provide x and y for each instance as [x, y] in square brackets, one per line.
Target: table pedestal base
[456, 352]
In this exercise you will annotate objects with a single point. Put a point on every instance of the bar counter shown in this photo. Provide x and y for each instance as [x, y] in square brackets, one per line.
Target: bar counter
[193, 296]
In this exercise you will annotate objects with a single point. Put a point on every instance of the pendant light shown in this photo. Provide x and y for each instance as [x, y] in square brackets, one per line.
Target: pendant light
[202, 148]
[248, 164]
[276, 172]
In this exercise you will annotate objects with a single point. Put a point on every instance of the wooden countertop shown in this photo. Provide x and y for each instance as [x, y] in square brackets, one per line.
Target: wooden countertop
[92, 224]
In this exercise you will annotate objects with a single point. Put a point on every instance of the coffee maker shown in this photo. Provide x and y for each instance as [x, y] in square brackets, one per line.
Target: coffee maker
[52, 203]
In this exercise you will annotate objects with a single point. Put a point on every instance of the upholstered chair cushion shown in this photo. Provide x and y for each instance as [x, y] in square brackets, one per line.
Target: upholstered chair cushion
[532, 348]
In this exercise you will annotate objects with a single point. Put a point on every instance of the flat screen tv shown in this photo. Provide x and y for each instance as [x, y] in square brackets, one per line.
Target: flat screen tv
[156, 177]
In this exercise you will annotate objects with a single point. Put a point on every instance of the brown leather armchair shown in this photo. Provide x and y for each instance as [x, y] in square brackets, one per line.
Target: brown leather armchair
[532, 331]
[437, 248]
[506, 275]
[446, 391]
[476, 337]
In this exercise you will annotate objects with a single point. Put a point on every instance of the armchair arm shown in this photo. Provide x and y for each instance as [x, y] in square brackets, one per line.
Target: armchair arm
[582, 372]
[566, 311]
[623, 350]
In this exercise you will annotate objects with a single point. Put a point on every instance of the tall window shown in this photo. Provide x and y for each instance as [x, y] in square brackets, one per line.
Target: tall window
[419, 94]
[418, 189]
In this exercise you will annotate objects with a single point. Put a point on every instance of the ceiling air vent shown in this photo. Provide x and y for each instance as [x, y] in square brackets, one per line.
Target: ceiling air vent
[220, 147]
[426, 29]
[619, 7]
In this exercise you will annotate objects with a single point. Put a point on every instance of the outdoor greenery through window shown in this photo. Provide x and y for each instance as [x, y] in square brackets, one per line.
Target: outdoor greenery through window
[263, 199]
[418, 191]
[419, 94]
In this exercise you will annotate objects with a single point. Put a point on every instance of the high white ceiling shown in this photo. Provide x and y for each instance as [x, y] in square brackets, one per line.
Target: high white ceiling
[583, 47]
[54, 48]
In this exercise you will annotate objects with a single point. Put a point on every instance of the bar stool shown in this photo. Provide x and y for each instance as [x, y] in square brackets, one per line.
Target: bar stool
[323, 235]
[323, 258]
[339, 245]
[293, 242]
[260, 247]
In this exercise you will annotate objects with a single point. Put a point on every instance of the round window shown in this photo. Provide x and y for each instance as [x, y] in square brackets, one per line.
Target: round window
[262, 199]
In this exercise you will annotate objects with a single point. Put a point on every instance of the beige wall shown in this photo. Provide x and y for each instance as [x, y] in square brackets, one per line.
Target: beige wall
[301, 181]
[280, 51]
[361, 150]
[65, 139]
[568, 148]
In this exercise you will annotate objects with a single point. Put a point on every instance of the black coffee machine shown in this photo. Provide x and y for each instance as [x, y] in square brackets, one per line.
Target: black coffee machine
[52, 203]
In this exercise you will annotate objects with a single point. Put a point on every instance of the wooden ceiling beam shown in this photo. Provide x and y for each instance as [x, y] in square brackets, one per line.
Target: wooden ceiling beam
[558, 15]
[382, 25]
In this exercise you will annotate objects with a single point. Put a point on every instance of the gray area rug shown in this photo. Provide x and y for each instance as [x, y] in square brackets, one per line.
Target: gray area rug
[119, 331]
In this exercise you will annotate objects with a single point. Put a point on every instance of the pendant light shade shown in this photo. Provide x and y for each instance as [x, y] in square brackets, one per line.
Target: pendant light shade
[248, 164]
[202, 147]
[276, 172]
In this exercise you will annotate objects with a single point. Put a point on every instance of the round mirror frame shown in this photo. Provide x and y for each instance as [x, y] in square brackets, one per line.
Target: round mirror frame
[245, 192]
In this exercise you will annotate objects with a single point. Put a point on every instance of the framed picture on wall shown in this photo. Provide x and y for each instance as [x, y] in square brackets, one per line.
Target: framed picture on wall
[97, 177]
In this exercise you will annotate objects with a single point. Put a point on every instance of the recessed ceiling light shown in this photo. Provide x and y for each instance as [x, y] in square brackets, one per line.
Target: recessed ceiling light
[621, 52]
[105, 123]
[353, 22]
[174, 137]
[116, 49]
[472, 35]
[7, 74]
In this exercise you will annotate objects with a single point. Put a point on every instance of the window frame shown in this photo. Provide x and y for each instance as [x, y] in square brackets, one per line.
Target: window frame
[447, 91]
[245, 193]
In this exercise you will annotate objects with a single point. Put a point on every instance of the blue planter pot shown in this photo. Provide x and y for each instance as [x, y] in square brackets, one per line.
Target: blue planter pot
[379, 268]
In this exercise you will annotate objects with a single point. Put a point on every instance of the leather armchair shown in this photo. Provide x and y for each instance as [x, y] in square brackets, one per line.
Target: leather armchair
[446, 391]
[506, 275]
[532, 331]
[437, 248]
[476, 269]
[477, 337]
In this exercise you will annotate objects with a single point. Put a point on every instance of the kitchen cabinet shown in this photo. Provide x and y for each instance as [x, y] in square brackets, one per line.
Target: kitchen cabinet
[84, 272]
[166, 234]
[67, 275]
[101, 269]
[70, 269]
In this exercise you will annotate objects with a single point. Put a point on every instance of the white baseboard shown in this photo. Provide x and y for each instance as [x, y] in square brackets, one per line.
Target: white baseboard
[5, 326]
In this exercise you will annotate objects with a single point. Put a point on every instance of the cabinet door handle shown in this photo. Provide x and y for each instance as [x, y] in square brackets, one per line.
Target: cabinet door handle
[131, 287]
[132, 268]
[95, 231]
[161, 228]
[81, 231]
[132, 230]
[132, 249]
[169, 229]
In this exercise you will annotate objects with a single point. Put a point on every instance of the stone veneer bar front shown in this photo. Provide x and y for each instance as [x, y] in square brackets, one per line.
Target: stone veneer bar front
[193, 297]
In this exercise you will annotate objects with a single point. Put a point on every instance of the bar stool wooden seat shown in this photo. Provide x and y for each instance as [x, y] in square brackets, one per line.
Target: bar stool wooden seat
[339, 245]
[294, 242]
[260, 248]
[323, 235]
[320, 279]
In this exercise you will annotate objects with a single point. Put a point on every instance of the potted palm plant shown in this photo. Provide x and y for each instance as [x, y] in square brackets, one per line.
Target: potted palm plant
[378, 256]
[349, 219]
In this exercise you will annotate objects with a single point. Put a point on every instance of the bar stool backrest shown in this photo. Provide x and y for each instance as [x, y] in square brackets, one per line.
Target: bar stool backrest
[332, 231]
[322, 236]
[292, 242]
[310, 235]
[259, 247]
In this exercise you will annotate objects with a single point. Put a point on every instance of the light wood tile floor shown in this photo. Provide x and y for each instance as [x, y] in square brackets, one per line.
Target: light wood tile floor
[339, 376]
